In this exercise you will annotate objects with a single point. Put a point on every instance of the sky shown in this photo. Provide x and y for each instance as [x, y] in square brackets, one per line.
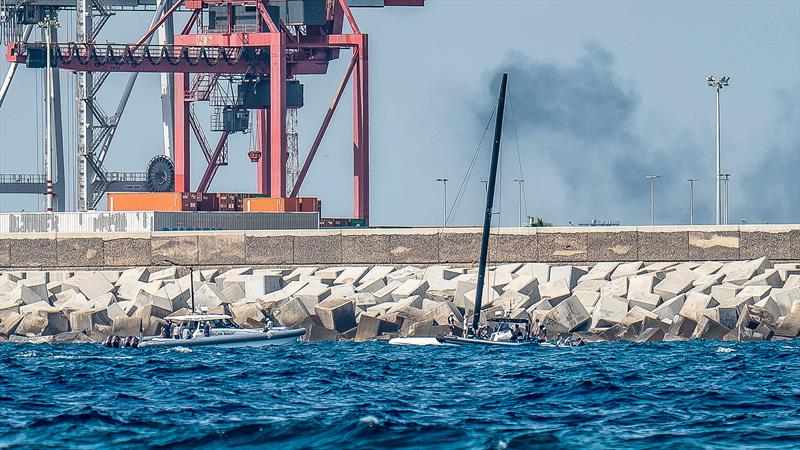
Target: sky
[601, 94]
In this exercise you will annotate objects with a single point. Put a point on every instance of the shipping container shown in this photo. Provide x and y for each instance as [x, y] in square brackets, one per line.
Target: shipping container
[144, 201]
[341, 222]
[235, 221]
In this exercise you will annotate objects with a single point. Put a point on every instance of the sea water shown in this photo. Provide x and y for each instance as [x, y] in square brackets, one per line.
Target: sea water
[344, 395]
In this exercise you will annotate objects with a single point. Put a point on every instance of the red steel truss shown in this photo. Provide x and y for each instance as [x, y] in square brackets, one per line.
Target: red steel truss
[199, 56]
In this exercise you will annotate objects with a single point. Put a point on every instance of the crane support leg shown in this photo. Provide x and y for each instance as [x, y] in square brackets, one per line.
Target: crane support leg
[182, 143]
[361, 134]
[277, 116]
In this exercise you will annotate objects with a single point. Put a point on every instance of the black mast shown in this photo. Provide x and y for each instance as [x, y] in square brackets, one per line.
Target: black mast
[487, 220]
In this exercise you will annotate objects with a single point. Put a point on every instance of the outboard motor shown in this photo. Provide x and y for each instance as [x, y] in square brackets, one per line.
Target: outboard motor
[135, 342]
[128, 340]
[107, 342]
[116, 341]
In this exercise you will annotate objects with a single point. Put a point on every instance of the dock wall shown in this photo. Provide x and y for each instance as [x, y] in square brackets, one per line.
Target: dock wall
[399, 246]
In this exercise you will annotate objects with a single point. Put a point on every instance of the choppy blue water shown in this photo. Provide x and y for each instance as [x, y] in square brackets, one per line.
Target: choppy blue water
[343, 395]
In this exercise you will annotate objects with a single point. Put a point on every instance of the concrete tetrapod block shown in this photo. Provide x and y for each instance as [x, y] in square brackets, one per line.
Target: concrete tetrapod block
[695, 304]
[336, 314]
[650, 335]
[587, 298]
[627, 270]
[770, 278]
[233, 293]
[489, 297]
[312, 294]
[725, 316]
[514, 300]
[291, 313]
[37, 285]
[384, 294]
[9, 325]
[617, 287]
[371, 327]
[784, 298]
[590, 285]
[376, 273]
[709, 329]
[462, 287]
[668, 309]
[642, 284]
[138, 274]
[208, 296]
[261, 284]
[81, 321]
[601, 271]
[675, 283]
[757, 293]
[570, 274]
[351, 275]
[646, 301]
[752, 316]
[537, 271]
[556, 290]
[126, 326]
[770, 305]
[789, 325]
[682, 326]
[247, 315]
[409, 288]
[740, 334]
[22, 295]
[31, 324]
[609, 311]
[567, 316]
[91, 284]
[371, 286]
[343, 291]
[725, 292]
[442, 311]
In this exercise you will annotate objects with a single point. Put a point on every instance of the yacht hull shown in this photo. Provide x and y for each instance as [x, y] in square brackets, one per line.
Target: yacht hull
[250, 338]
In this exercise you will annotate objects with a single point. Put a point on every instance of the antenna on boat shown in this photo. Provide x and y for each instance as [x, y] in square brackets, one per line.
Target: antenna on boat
[191, 286]
[191, 280]
[487, 220]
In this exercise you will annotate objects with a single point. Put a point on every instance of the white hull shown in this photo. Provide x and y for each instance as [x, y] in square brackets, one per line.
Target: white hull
[237, 339]
[417, 341]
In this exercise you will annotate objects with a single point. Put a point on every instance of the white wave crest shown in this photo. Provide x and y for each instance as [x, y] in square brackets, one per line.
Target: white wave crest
[725, 350]
[370, 420]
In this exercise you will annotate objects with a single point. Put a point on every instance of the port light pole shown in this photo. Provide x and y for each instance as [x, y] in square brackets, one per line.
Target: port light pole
[444, 201]
[718, 84]
[691, 199]
[653, 179]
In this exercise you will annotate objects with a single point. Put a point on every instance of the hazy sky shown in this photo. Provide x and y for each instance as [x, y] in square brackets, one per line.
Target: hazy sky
[603, 93]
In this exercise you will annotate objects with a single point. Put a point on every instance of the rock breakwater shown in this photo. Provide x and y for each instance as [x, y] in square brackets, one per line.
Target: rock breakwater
[634, 301]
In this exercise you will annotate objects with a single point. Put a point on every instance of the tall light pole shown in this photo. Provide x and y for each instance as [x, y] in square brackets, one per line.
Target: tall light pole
[718, 85]
[653, 179]
[519, 181]
[444, 201]
[691, 199]
[725, 178]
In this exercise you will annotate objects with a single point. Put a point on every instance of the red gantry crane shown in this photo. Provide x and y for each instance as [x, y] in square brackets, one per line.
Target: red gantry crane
[258, 47]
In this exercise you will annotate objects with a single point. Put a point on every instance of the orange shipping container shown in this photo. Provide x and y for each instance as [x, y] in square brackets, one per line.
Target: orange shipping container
[270, 204]
[144, 201]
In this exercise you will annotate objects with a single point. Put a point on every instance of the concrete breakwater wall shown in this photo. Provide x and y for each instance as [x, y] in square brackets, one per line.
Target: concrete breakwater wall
[400, 246]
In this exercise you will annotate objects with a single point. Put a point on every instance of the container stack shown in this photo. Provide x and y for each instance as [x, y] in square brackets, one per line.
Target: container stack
[216, 202]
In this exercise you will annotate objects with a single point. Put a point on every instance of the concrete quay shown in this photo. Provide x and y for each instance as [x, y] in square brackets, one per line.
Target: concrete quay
[573, 245]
